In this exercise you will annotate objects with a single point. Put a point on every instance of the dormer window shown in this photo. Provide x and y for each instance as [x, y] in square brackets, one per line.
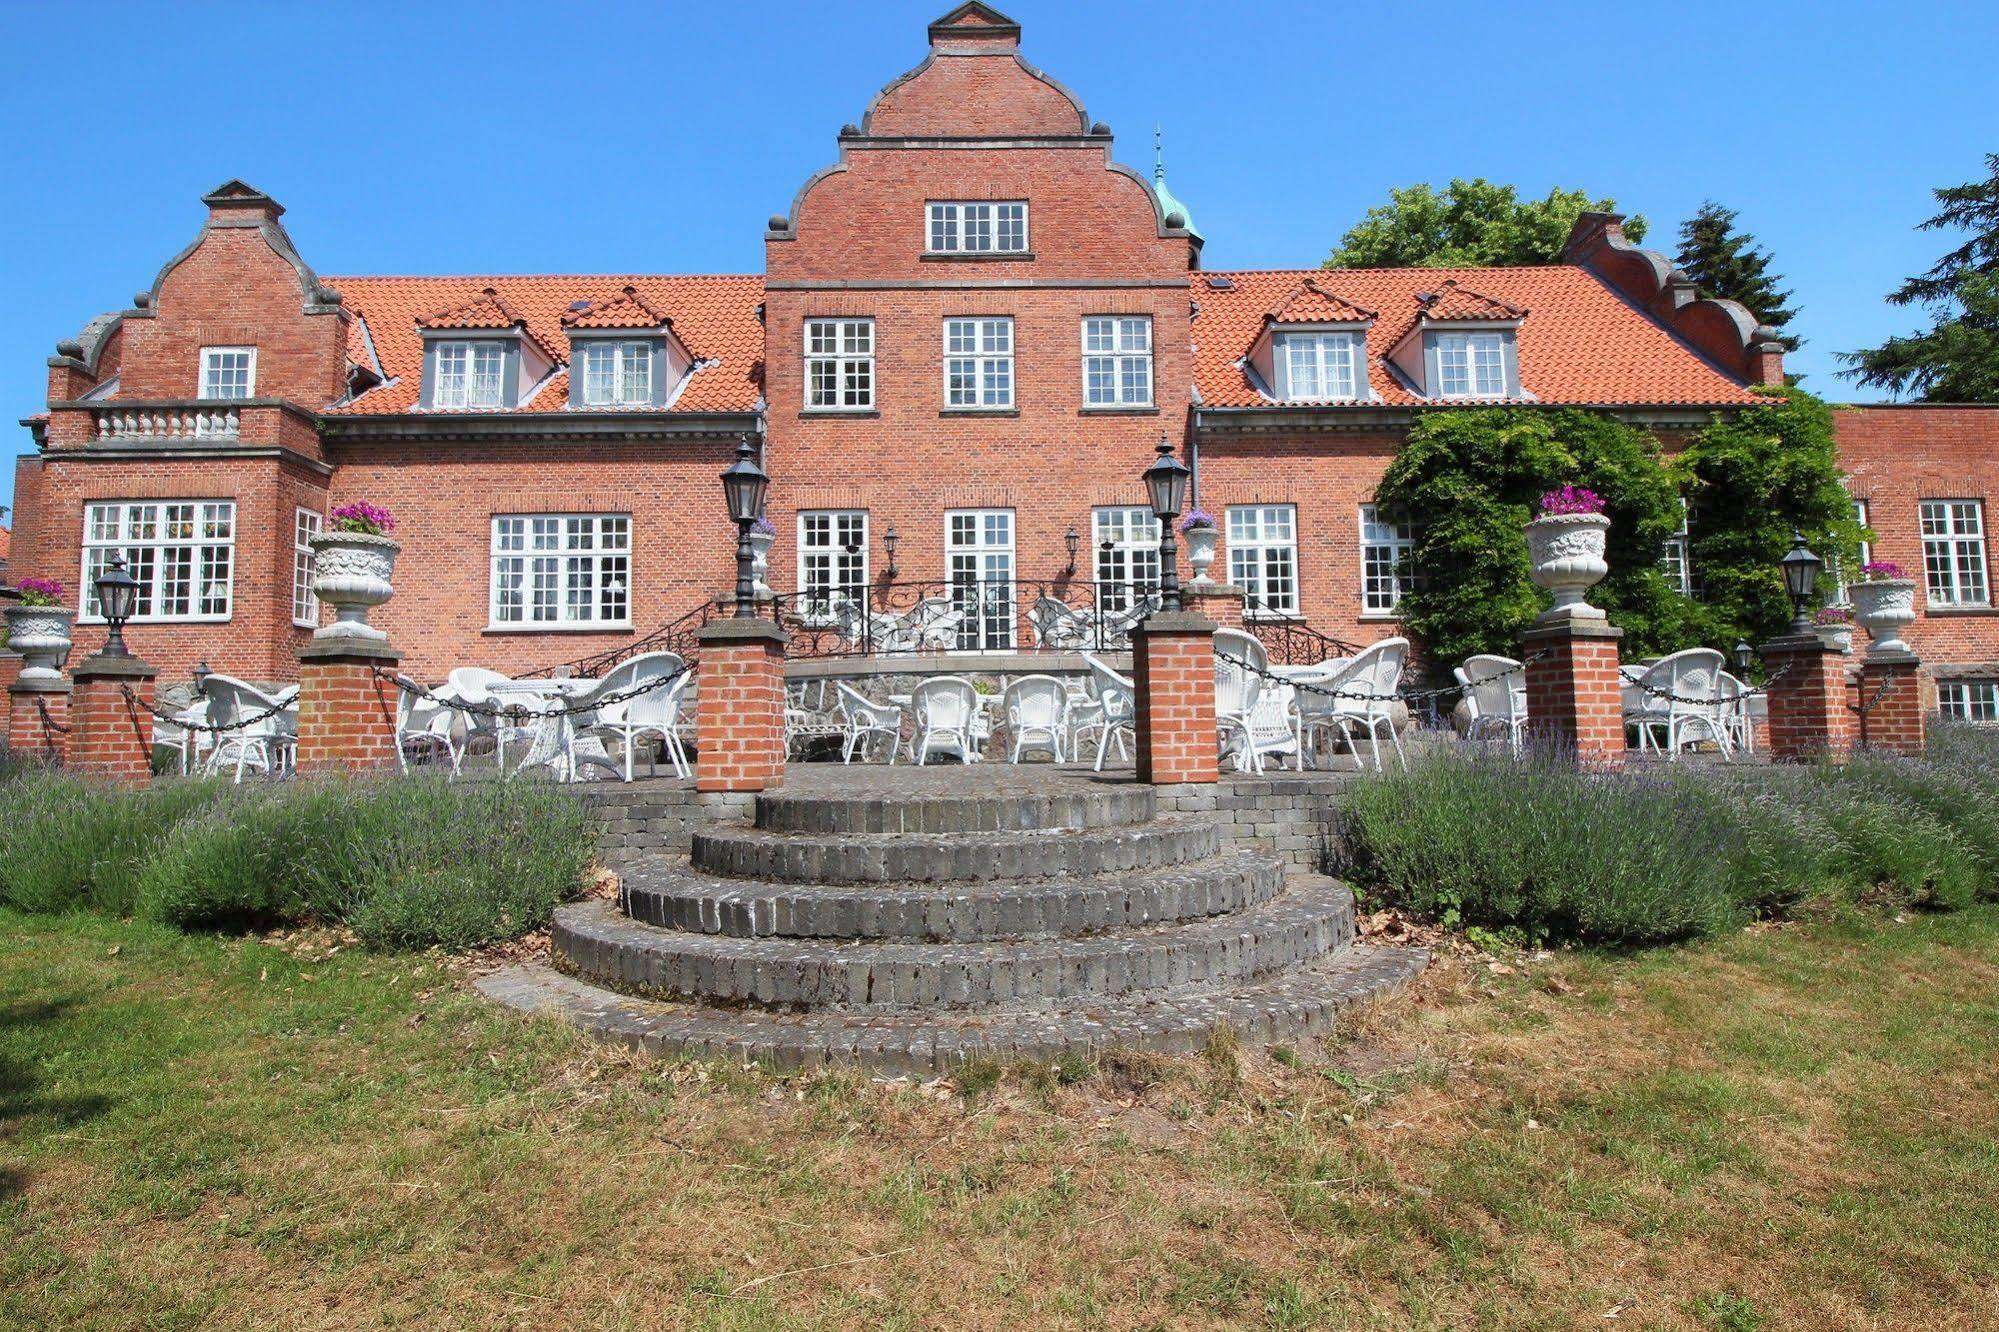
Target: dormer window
[617, 374]
[1471, 365]
[1316, 366]
[978, 228]
[228, 372]
[469, 374]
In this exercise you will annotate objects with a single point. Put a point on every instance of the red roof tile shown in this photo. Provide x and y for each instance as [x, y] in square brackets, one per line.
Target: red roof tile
[1310, 303]
[1580, 343]
[1450, 302]
[6, 544]
[715, 318]
[625, 310]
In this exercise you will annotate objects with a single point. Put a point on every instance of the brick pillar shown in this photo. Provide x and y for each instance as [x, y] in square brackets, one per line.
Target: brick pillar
[1220, 602]
[110, 729]
[346, 711]
[38, 719]
[1895, 696]
[1807, 692]
[1575, 699]
[739, 720]
[1173, 668]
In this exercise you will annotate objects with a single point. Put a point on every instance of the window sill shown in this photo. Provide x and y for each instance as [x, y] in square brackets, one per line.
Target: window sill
[624, 627]
[976, 256]
[1972, 611]
[1379, 617]
[855, 413]
[1108, 409]
[979, 411]
[147, 623]
[1272, 617]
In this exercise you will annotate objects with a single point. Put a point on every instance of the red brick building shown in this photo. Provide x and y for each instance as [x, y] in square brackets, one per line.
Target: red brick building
[971, 330]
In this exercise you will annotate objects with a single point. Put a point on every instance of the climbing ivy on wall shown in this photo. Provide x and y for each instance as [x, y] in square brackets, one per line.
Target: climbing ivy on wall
[1467, 480]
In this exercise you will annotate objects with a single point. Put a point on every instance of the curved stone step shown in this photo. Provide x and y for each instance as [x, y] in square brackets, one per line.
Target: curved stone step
[834, 858]
[1312, 917]
[674, 895]
[874, 807]
[1284, 1007]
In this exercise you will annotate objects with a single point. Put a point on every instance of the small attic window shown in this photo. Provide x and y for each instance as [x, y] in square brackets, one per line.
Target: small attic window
[1221, 284]
[1472, 365]
[469, 374]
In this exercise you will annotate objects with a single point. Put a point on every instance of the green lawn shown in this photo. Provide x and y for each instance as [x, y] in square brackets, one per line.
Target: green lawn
[1788, 1127]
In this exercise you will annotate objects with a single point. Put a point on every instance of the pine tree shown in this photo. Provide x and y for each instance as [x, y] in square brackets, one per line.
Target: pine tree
[1726, 264]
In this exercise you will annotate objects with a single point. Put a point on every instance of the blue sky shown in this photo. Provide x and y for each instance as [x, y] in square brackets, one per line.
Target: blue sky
[504, 137]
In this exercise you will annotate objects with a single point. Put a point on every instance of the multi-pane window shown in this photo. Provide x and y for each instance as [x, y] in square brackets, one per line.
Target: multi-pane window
[1117, 361]
[1127, 548]
[468, 374]
[840, 364]
[228, 372]
[1386, 546]
[1471, 365]
[305, 605]
[978, 363]
[1319, 365]
[978, 553]
[1841, 596]
[832, 559]
[1954, 552]
[182, 552]
[1969, 700]
[562, 569]
[616, 374]
[1263, 557]
[1676, 561]
[978, 228]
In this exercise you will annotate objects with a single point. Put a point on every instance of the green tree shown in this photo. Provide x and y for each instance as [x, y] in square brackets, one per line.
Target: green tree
[1727, 264]
[1957, 359]
[1470, 224]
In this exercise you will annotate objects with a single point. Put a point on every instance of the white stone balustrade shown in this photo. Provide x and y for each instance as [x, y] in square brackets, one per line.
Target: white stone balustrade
[166, 423]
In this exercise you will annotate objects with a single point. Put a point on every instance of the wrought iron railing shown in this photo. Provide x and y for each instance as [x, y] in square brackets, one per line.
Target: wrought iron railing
[1288, 639]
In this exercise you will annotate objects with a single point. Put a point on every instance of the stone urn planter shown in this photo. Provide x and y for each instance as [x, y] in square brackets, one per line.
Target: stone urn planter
[352, 571]
[1836, 636]
[1884, 607]
[760, 544]
[1565, 553]
[41, 635]
[1201, 551]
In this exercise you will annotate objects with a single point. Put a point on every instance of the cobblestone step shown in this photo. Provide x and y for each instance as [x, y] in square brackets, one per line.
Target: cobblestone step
[674, 895]
[1285, 1007]
[1312, 917]
[834, 858]
[877, 805]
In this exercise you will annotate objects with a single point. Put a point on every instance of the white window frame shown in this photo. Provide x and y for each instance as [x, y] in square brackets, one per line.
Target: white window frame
[1263, 558]
[466, 391]
[975, 226]
[520, 571]
[1955, 570]
[978, 363]
[196, 537]
[306, 524]
[1469, 347]
[1124, 550]
[630, 372]
[847, 358]
[1385, 548]
[209, 368]
[1335, 362]
[1677, 560]
[988, 557]
[825, 565]
[1117, 361]
[1842, 582]
[1969, 700]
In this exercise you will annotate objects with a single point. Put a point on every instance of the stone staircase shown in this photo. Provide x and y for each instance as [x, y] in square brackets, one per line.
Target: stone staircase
[910, 920]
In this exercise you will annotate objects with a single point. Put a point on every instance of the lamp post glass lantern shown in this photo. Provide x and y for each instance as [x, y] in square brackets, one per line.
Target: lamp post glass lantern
[1074, 542]
[1166, 485]
[117, 599]
[1801, 578]
[1744, 654]
[889, 540]
[744, 486]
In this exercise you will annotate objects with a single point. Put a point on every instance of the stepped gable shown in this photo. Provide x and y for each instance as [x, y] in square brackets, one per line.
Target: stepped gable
[908, 920]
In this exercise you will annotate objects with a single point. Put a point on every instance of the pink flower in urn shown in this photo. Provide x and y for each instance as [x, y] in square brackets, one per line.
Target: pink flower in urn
[1832, 615]
[1570, 500]
[363, 517]
[1198, 520]
[40, 592]
[1876, 571]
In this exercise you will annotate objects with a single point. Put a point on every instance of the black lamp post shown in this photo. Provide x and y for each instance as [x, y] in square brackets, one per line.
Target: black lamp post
[117, 598]
[1744, 654]
[744, 485]
[1801, 578]
[1166, 483]
[889, 538]
[1074, 541]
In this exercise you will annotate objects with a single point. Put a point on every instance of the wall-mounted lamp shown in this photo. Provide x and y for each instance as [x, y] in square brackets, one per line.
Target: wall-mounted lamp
[889, 539]
[1074, 542]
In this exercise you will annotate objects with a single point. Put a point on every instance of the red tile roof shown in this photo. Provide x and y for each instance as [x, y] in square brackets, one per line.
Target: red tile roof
[715, 318]
[1451, 302]
[1580, 342]
[6, 544]
[1310, 303]
[625, 310]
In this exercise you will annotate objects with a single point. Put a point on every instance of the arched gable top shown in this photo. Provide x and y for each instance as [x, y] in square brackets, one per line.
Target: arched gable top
[974, 84]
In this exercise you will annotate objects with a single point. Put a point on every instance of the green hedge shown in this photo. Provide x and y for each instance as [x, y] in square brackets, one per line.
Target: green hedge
[1534, 847]
[406, 863]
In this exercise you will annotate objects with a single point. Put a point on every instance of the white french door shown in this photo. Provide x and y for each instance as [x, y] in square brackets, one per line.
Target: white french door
[978, 553]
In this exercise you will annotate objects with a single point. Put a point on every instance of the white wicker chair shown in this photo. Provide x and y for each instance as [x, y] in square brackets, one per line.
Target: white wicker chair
[1116, 711]
[1373, 675]
[1252, 712]
[946, 708]
[189, 746]
[1037, 715]
[473, 685]
[1737, 712]
[423, 727]
[655, 712]
[261, 745]
[1681, 696]
[865, 719]
[1496, 691]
